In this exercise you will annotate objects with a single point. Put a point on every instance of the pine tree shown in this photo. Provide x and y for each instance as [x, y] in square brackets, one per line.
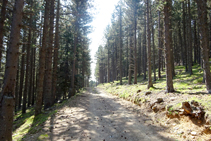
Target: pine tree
[7, 96]
[203, 26]
[169, 81]
[40, 80]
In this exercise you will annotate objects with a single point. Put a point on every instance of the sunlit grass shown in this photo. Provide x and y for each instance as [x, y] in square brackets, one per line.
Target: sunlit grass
[183, 83]
[28, 123]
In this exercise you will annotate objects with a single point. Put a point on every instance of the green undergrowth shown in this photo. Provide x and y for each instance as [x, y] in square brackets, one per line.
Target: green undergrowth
[29, 124]
[184, 83]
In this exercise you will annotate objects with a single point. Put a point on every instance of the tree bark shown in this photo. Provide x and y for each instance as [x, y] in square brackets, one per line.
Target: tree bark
[210, 36]
[108, 72]
[41, 72]
[135, 47]
[26, 86]
[22, 72]
[17, 87]
[189, 41]
[139, 55]
[144, 60]
[7, 96]
[113, 66]
[56, 48]
[149, 49]
[48, 88]
[159, 47]
[180, 42]
[116, 60]
[169, 81]
[33, 70]
[203, 26]
[153, 44]
[73, 65]
[127, 55]
[130, 62]
[30, 59]
[195, 42]
[184, 37]
[120, 45]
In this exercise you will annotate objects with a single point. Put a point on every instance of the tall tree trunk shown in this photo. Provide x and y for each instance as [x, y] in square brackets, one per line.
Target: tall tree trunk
[26, 88]
[48, 88]
[171, 42]
[139, 54]
[41, 72]
[22, 71]
[55, 57]
[116, 61]
[135, 47]
[199, 48]
[210, 36]
[180, 43]
[167, 11]
[189, 41]
[74, 59]
[7, 96]
[17, 87]
[203, 25]
[184, 37]
[33, 70]
[130, 62]
[195, 42]
[2, 21]
[149, 49]
[159, 47]
[153, 44]
[30, 59]
[127, 54]
[113, 64]
[120, 45]
[162, 49]
[144, 60]
[108, 72]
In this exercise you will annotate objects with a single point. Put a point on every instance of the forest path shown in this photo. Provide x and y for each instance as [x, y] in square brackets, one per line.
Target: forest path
[97, 116]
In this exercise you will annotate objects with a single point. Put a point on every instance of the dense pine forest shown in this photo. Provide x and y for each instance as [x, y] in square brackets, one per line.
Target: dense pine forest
[45, 52]
[148, 37]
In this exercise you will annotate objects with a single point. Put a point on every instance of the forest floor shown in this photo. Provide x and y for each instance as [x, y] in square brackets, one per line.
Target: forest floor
[98, 116]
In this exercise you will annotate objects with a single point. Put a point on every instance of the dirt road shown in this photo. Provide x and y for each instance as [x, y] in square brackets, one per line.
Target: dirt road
[97, 116]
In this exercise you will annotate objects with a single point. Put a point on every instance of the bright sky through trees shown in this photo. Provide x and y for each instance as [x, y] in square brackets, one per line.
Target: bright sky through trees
[104, 9]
